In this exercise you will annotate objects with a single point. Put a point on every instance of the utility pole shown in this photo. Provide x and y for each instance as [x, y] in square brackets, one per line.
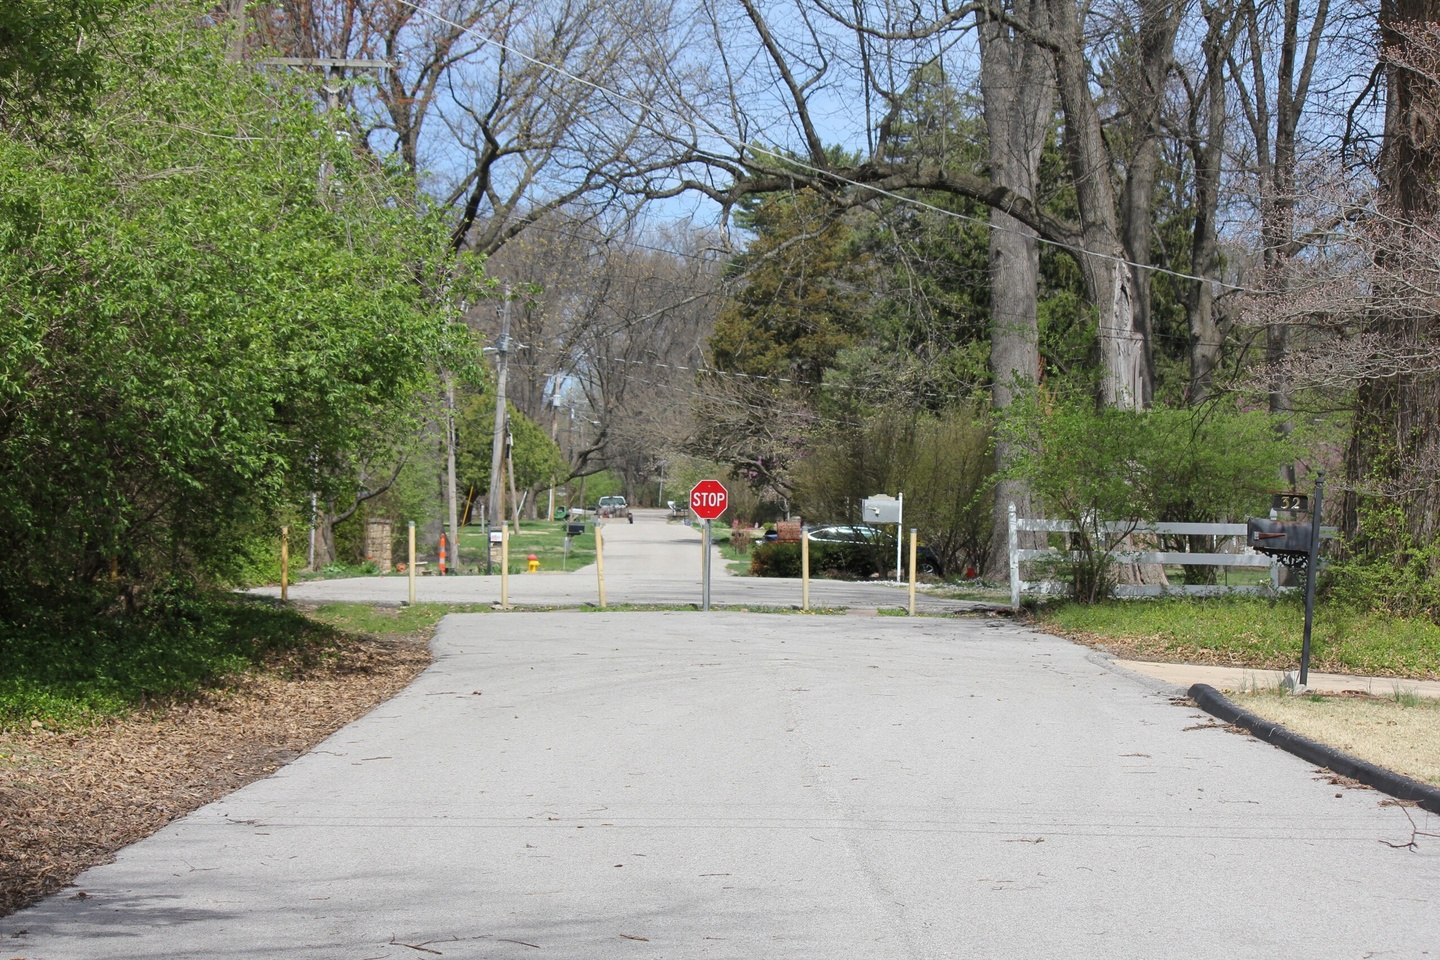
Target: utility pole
[453, 548]
[495, 505]
[554, 436]
[334, 74]
[510, 470]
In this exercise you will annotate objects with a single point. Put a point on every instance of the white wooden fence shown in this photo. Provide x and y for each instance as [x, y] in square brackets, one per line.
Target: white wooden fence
[1246, 557]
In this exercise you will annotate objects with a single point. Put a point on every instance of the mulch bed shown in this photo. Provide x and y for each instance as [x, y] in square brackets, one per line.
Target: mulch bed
[69, 800]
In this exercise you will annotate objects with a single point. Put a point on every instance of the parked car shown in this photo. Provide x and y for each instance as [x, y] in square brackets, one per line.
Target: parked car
[614, 507]
[864, 550]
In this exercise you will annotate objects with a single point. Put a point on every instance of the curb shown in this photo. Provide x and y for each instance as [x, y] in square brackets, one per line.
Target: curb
[1396, 785]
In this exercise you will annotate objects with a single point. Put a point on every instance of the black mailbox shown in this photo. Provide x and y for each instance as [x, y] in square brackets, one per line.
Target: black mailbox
[1278, 536]
[574, 529]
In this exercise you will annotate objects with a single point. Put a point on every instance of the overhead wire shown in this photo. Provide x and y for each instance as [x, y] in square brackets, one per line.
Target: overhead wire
[736, 143]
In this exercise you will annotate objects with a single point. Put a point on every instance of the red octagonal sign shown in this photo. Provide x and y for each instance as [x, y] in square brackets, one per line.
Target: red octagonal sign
[709, 499]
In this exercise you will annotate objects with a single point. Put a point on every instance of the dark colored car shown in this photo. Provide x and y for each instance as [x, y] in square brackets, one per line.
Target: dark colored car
[864, 550]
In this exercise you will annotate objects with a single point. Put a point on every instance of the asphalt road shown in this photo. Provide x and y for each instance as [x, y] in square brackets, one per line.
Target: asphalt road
[576, 785]
[589, 785]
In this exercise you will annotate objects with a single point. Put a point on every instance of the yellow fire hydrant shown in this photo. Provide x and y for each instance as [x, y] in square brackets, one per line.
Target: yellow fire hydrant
[533, 563]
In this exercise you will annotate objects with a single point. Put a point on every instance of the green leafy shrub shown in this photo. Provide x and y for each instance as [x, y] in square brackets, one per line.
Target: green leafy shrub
[775, 560]
[1383, 569]
[941, 461]
[849, 559]
[213, 310]
[1108, 470]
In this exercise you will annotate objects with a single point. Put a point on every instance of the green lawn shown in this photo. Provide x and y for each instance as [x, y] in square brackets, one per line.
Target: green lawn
[1253, 632]
[544, 538]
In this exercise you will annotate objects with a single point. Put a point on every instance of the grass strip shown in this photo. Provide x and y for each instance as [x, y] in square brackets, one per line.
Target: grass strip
[1253, 632]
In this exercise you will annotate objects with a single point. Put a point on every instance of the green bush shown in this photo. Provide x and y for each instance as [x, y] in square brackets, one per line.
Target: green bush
[1384, 570]
[850, 559]
[775, 560]
[201, 334]
[1096, 466]
[941, 461]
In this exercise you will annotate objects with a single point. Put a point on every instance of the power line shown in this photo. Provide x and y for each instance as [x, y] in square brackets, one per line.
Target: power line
[802, 165]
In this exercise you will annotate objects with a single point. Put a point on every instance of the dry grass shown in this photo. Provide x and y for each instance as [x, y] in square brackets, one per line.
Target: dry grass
[1400, 736]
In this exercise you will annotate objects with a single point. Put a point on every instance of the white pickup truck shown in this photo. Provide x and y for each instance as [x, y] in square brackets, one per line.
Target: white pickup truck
[614, 507]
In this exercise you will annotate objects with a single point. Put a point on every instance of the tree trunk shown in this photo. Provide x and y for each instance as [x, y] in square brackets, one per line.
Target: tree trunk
[1207, 139]
[1396, 436]
[1110, 278]
[325, 521]
[1017, 85]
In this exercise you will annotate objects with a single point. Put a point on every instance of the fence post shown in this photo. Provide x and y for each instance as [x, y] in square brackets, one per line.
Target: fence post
[804, 569]
[600, 564]
[504, 564]
[1014, 563]
[913, 541]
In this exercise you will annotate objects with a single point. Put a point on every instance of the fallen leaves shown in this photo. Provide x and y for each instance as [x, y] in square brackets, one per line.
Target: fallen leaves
[70, 800]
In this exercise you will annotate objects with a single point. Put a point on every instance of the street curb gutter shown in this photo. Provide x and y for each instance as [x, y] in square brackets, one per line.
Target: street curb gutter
[1396, 785]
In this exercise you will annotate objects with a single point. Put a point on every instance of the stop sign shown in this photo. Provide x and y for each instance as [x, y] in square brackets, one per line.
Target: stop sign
[709, 499]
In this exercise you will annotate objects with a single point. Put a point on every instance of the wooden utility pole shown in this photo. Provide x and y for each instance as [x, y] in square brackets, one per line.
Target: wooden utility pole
[450, 473]
[495, 505]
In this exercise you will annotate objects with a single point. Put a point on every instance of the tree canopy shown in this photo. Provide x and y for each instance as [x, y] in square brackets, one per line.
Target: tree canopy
[206, 308]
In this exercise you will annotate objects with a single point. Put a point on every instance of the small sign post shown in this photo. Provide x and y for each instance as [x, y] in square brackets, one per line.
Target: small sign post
[708, 499]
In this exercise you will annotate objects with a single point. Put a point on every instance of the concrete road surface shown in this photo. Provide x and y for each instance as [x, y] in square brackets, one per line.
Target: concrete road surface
[650, 562]
[686, 785]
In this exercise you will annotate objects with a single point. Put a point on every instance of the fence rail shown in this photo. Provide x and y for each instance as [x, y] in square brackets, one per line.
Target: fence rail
[1247, 558]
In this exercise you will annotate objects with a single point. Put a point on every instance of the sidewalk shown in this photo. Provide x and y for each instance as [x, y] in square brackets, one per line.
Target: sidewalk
[1244, 679]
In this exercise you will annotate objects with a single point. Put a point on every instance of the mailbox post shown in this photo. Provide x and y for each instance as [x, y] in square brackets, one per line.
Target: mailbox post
[1310, 580]
[886, 509]
[1294, 542]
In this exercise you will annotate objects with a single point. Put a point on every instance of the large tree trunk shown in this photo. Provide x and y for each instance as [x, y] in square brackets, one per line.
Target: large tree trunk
[325, 520]
[1395, 444]
[1207, 147]
[1143, 99]
[1017, 85]
[1116, 238]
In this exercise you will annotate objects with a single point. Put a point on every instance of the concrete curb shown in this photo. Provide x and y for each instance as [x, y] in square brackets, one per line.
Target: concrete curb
[1400, 787]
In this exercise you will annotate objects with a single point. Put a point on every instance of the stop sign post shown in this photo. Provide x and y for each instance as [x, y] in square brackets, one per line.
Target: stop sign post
[708, 499]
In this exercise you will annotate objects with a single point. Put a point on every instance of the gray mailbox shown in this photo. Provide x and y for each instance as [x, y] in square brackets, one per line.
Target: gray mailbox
[880, 509]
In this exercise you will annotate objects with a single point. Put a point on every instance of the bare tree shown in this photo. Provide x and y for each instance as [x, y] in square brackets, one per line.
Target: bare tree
[503, 111]
[1367, 294]
[870, 54]
[1272, 76]
[1202, 129]
[1395, 440]
[614, 328]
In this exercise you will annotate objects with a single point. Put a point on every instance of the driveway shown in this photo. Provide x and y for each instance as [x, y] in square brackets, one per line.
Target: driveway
[592, 785]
